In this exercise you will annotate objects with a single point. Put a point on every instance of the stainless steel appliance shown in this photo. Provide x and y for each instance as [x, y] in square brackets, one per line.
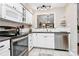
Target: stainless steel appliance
[7, 31]
[19, 46]
[61, 41]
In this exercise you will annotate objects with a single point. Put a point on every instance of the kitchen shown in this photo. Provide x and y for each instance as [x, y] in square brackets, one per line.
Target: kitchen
[32, 29]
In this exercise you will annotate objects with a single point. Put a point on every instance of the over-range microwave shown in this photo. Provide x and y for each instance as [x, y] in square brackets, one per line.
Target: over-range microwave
[9, 13]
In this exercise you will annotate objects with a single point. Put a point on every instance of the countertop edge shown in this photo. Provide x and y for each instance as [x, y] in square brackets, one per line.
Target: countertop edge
[51, 32]
[9, 38]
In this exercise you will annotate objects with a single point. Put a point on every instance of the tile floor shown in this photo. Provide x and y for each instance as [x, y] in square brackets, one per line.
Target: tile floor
[47, 52]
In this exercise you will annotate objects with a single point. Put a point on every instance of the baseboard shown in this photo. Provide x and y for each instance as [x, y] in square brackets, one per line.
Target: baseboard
[43, 48]
[61, 49]
[51, 49]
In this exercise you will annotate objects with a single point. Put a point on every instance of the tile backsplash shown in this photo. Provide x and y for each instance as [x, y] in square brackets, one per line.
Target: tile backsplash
[9, 23]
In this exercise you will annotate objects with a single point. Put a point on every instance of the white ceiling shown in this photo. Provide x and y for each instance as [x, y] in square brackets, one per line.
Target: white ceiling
[33, 6]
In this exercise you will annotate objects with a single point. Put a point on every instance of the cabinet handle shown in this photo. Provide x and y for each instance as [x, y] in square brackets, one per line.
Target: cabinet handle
[13, 6]
[45, 36]
[2, 46]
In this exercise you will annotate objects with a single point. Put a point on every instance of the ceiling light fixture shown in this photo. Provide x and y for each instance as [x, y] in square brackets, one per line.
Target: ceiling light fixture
[44, 7]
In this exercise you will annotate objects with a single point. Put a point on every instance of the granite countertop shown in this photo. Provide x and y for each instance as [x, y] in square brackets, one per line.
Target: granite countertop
[8, 38]
[13, 37]
[4, 38]
[50, 30]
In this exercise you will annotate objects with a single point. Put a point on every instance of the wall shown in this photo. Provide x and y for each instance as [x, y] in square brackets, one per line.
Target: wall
[59, 15]
[71, 17]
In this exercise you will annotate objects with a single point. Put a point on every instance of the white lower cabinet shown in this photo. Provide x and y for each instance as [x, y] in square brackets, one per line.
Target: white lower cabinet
[30, 42]
[5, 52]
[5, 48]
[35, 40]
[43, 40]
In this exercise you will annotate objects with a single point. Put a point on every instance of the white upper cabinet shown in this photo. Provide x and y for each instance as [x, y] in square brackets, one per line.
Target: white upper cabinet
[17, 6]
[28, 17]
[1, 10]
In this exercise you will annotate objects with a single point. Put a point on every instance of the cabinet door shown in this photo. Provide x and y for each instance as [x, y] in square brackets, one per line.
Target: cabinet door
[18, 7]
[4, 45]
[5, 48]
[30, 42]
[35, 40]
[5, 52]
[40, 40]
[20, 17]
[45, 40]
[49, 41]
[28, 17]
[11, 5]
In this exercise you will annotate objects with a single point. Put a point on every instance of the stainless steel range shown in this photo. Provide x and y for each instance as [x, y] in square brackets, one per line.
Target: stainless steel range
[19, 46]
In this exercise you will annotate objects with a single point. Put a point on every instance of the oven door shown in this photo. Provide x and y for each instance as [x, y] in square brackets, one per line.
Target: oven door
[20, 46]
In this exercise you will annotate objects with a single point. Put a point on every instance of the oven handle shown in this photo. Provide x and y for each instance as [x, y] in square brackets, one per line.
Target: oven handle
[18, 39]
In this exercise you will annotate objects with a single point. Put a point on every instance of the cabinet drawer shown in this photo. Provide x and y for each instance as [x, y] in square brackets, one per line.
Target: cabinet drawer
[45, 34]
[4, 45]
[5, 52]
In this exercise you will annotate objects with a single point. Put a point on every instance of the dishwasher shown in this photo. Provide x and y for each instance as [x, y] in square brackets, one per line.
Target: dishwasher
[61, 41]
